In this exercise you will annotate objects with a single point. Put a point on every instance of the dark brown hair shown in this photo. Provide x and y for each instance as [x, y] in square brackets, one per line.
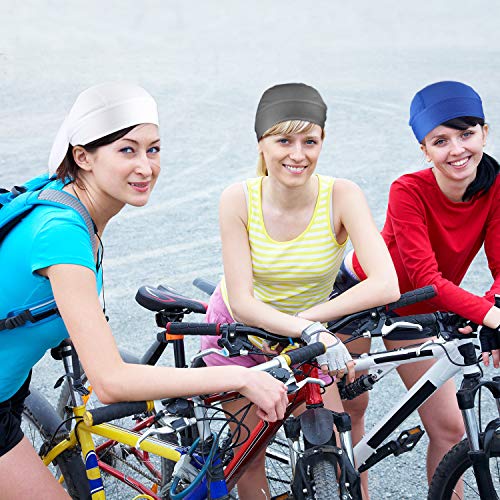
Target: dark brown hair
[68, 169]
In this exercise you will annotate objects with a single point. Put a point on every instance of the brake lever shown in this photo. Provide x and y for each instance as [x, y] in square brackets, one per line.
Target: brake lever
[386, 329]
[294, 386]
[311, 380]
[221, 352]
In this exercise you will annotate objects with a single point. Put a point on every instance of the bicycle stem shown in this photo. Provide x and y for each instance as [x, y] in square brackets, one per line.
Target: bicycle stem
[202, 422]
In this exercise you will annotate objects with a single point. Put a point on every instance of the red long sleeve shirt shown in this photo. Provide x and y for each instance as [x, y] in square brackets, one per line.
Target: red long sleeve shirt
[432, 241]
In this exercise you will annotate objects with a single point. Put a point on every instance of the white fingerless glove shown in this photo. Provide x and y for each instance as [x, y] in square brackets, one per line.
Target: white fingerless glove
[336, 356]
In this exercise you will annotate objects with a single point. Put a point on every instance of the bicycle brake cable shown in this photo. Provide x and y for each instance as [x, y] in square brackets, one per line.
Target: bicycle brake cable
[231, 418]
[65, 421]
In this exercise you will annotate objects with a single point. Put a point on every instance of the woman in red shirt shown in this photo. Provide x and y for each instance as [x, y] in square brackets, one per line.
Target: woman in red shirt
[437, 220]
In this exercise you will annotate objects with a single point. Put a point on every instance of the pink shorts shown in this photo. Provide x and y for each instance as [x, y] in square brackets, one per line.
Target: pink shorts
[217, 312]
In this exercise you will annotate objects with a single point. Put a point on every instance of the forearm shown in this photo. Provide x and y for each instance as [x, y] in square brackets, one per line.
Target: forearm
[453, 298]
[369, 293]
[131, 382]
[254, 312]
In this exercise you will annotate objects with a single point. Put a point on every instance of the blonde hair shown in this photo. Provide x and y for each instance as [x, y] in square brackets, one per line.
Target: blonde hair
[289, 127]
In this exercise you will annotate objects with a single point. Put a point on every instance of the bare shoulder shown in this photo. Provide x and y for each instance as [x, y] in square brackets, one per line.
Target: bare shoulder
[345, 187]
[233, 193]
[233, 201]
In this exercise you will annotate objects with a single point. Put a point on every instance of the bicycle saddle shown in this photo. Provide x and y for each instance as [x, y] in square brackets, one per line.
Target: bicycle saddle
[165, 298]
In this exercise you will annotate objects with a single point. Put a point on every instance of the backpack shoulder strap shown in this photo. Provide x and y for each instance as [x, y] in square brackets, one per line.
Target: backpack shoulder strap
[50, 197]
[55, 197]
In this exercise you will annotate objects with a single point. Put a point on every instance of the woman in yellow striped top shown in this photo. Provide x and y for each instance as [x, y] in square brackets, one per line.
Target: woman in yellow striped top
[283, 239]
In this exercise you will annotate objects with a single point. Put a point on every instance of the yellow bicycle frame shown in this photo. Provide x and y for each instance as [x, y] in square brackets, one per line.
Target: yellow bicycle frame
[83, 434]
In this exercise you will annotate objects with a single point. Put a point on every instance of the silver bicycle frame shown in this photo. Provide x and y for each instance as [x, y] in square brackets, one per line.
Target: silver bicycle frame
[428, 384]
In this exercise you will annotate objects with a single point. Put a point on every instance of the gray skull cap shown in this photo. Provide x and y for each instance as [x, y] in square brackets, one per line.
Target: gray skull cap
[289, 101]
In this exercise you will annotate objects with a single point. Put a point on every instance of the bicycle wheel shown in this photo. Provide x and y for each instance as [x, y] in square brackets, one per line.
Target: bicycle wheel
[456, 464]
[323, 474]
[39, 423]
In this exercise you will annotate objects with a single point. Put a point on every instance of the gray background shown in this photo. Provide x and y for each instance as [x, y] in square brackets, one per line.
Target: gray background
[207, 64]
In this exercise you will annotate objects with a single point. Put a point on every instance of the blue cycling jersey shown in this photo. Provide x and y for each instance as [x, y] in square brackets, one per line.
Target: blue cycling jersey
[47, 236]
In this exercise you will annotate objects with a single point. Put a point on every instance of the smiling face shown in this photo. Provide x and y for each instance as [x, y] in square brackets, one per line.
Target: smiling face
[126, 170]
[292, 158]
[455, 153]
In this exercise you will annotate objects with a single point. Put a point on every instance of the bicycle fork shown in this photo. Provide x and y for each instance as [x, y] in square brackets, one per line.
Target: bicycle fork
[317, 426]
[478, 453]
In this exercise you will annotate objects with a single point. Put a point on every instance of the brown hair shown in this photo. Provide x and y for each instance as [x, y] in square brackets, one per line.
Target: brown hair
[68, 169]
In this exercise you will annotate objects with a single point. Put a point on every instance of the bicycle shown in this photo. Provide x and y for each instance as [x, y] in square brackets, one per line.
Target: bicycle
[56, 445]
[378, 323]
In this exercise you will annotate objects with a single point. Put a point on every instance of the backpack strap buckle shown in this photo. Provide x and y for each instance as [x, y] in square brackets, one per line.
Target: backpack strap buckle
[29, 315]
[17, 320]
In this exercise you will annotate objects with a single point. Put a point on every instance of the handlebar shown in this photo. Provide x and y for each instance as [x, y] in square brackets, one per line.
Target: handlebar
[304, 354]
[234, 337]
[226, 330]
[190, 328]
[375, 314]
[412, 297]
[371, 322]
[114, 411]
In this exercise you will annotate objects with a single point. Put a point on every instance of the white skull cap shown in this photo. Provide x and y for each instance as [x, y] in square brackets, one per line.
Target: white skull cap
[99, 111]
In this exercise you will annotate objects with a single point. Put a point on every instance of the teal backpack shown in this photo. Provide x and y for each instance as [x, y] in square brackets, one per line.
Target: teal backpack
[15, 205]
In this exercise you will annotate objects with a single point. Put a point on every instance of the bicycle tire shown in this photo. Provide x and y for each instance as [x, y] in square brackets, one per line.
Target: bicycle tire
[324, 476]
[455, 464]
[39, 423]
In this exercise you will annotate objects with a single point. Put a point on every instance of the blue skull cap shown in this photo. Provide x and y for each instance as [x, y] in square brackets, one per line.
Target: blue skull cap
[440, 102]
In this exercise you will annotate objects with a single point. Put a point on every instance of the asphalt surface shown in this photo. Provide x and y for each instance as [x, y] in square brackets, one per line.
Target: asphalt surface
[207, 64]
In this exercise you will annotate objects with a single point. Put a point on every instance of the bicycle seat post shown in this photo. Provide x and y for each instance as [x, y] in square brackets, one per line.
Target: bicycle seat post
[69, 370]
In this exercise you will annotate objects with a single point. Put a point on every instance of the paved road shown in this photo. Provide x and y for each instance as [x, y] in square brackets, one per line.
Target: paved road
[207, 63]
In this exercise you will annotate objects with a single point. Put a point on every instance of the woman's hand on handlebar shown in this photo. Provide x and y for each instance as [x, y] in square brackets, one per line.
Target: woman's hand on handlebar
[490, 344]
[336, 359]
[267, 393]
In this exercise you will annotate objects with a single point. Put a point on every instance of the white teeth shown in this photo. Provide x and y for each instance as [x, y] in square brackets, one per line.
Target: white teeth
[459, 163]
[294, 169]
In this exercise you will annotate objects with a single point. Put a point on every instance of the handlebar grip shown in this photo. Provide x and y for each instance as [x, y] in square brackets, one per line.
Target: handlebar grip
[114, 411]
[420, 319]
[306, 353]
[178, 328]
[412, 297]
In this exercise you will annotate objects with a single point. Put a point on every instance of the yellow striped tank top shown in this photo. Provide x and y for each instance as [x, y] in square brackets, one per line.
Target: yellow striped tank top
[294, 275]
